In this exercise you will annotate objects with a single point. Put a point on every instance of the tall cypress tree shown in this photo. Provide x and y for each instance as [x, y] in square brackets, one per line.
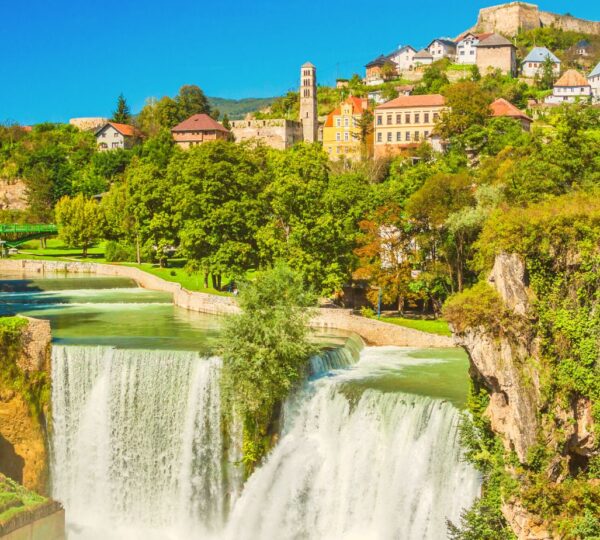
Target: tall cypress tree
[122, 114]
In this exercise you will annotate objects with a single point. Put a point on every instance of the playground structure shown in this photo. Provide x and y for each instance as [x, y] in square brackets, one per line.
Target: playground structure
[14, 235]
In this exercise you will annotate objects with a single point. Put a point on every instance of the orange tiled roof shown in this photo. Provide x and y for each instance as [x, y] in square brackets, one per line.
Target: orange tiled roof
[427, 100]
[199, 122]
[357, 108]
[572, 78]
[501, 107]
[124, 129]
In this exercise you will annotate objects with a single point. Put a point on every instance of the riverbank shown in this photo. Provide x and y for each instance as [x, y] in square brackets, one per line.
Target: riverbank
[374, 332]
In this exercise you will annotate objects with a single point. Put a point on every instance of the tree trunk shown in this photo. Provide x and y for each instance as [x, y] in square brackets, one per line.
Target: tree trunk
[206, 280]
[219, 281]
[138, 257]
[213, 278]
[401, 305]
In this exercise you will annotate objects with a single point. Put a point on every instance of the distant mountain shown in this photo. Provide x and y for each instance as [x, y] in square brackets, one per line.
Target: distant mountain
[239, 108]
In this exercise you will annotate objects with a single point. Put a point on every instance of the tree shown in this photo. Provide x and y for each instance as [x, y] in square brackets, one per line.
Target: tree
[265, 354]
[226, 123]
[80, 221]
[434, 79]
[545, 80]
[121, 114]
[191, 100]
[468, 105]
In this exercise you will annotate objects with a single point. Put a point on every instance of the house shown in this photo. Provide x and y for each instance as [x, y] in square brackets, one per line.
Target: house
[504, 108]
[571, 87]
[403, 57]
[466, 48]
[422, 58]
[198, 129]
[405, 122]
[342, 135]
[112, 136]
[442, 48]
[594, 81]
[379, 70]
[533, 63]
[583, 48]
[496, 52]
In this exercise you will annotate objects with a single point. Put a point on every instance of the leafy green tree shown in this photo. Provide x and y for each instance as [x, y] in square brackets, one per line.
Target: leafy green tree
[191, 100]
[433, 81]
[545, 80]
[122, 115]
[468, 105]
[265, 354]
[80, 221]
[225, 122]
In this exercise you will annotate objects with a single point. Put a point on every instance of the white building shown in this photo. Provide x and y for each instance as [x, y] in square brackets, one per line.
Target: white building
[533, 63]
[112, 136]
[404, 58]
[594, 81]
[571, 87]
[466, 48]
[442, 48]
[423, 58]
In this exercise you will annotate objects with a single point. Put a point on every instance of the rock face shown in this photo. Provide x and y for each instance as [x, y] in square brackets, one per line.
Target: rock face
[23, 443]
[501, 363]
[13, 195]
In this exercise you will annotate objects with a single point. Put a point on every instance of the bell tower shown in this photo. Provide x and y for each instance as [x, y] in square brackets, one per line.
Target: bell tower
[308, 102]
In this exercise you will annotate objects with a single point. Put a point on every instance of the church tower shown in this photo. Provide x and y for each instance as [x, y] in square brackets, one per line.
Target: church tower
[308, 102]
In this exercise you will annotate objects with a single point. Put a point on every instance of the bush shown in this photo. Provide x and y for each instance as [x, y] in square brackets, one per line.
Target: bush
[116, 252]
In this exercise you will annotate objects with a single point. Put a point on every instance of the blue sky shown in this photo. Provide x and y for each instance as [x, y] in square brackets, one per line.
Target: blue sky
[66, 58]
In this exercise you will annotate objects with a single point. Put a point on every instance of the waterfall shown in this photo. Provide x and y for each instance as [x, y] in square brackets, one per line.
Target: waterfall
[137, 448]
[381, 466]
[139, 453]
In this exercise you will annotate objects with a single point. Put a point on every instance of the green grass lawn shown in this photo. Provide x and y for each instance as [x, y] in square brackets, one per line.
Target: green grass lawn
[459, 67]
[15, 499]
[433, 327]
[55, 250]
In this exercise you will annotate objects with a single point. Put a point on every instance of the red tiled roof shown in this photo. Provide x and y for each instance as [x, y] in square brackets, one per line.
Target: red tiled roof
[124, 129]
[572, 78]
[427, 100]
[200, 122]
[501, 107]
[357, 108]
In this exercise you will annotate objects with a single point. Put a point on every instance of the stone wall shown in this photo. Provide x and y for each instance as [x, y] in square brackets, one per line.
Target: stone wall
[278, 133]
[372, 331]
[13, 195]
[509, 19]
[44, 522]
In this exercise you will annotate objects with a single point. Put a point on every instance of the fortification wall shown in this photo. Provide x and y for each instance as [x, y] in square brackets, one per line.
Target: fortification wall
[509, 19]
[277, 133]
[374, 332]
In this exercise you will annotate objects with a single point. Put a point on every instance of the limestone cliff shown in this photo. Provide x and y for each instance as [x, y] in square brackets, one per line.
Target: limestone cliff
[24, 405]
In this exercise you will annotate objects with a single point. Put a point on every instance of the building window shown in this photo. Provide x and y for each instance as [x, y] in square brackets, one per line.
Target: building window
[417, 118]
[426, 118]
[416, 135]
[435, 116]
[346, 122]
[338, 122]
[379, 120]
[398, 119]
[346, 138]
[472, 52]
[389, 119]
[389, 136]
[398, 136]
[115, 145]
[338, 136]
[115, 134]
[407, 118]
[379, 137]
[407, 136]
[104, 134]
[425, 134]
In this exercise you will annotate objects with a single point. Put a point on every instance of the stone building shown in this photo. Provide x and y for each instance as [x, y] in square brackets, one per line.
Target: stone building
[277, 133]
[308, 102]
[405, 122]
[466, 47]
[198, 129]
[112, 136]
[496, 52]
[571, 87]
[342, 137]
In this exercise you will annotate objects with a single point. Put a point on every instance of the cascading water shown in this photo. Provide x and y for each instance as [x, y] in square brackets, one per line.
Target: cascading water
[138, 452]
[137, 445]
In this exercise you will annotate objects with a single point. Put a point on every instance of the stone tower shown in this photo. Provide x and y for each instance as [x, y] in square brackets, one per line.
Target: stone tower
[308, 102]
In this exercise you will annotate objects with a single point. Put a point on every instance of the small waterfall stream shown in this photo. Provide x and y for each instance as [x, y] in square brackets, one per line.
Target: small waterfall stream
[138, 453]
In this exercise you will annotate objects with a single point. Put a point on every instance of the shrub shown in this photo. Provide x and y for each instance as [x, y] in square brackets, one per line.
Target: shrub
[116, 252]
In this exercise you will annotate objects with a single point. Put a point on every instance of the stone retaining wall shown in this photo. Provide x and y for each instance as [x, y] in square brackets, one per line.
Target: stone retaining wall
[374, 332]
[44, 522]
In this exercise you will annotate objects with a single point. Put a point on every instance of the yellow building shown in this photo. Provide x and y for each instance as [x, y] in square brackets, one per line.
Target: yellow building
[342, 131]
[405, 122]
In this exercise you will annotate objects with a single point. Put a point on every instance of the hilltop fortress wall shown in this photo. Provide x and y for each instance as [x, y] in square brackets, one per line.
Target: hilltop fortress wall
[509, 18]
